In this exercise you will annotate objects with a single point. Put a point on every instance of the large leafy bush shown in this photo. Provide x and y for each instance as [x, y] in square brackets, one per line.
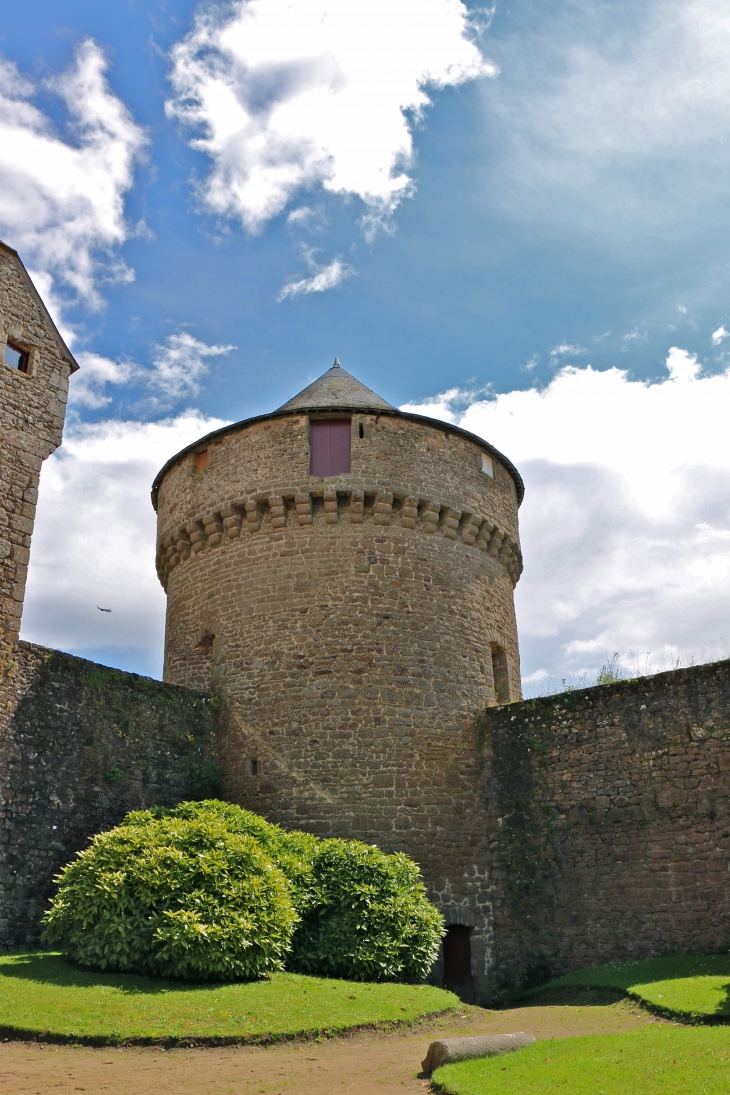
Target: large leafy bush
[208, 890]
[177, 897]
[369, 919]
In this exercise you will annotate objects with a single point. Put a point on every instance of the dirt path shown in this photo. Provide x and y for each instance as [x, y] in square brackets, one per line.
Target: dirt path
[365, 1064]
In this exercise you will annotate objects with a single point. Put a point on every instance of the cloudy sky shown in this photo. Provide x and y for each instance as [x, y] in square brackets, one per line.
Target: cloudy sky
[515, 218]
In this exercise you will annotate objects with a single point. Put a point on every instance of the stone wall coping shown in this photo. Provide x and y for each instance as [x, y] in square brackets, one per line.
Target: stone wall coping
[569, 703]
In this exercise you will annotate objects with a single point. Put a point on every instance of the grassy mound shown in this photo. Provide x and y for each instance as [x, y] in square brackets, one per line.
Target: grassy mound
[42, 996]
[691, 988]
[663, 1060]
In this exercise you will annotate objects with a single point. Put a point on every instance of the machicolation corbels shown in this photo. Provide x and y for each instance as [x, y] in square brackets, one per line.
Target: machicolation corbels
[272, 513]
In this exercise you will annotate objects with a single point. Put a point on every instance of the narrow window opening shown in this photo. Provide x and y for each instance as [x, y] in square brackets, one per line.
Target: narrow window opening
[361, 430]
[457, 960]
[201, 461]
[487, 465]
[329, 446]
[254, 767]
[15, 357]
[500, 672]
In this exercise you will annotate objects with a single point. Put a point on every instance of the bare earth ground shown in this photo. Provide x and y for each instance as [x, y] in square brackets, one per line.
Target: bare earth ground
[363, 1064]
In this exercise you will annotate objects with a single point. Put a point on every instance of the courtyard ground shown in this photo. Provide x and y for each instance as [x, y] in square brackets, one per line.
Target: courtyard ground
[363, 1064]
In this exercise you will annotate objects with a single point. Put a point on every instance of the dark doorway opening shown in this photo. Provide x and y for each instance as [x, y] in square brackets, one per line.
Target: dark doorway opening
[457, 961]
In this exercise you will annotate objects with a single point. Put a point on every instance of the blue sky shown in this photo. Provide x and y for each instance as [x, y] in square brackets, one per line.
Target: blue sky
[534, 235]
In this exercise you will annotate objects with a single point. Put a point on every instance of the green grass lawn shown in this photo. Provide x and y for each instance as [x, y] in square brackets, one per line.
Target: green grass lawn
[43, 996]
[692, 988]
[658, 1061]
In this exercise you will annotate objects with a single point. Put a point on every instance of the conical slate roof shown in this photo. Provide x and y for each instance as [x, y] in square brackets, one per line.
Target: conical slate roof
[336, 389]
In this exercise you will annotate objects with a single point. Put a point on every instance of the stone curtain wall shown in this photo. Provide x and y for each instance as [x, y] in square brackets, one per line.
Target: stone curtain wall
[610, 824]
[80, 746]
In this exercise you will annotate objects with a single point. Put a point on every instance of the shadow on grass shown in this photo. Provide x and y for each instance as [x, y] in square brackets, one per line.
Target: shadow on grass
[52, 969]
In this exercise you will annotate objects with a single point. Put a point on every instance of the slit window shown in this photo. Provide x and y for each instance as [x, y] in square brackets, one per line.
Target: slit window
[500, 673]
[15, 357]
[201, 461]
[329, 446]
[254, 768]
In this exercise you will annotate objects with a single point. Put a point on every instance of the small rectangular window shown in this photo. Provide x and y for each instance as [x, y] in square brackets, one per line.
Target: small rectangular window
[254, 767]
[487, 465]
[201, 461]
[329, 446]
[15, 357]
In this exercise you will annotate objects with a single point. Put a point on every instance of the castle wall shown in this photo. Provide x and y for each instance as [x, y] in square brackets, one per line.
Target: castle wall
[80, 746]
[32, 411]
[609, 820]
[588, 827]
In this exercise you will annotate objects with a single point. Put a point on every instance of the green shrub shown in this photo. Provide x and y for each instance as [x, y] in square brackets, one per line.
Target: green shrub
[370, 919]
[206, 889]
[176, 897]
[293, 852]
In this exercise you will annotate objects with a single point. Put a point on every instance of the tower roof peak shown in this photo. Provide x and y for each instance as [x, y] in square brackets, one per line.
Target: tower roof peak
[336, 390]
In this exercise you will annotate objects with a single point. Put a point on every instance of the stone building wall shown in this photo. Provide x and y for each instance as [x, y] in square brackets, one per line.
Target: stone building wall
[609, 818]
[32, 411]
[81, 745]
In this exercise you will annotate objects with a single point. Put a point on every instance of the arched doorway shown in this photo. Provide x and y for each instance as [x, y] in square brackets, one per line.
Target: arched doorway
[457, 962]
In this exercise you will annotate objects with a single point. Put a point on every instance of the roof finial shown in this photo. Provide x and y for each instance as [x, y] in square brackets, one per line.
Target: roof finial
[337, 364]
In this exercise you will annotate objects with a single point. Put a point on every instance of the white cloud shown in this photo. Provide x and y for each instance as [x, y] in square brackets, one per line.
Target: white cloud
[719, 336]
[95, 372]
[180, 364]
[61, 201]
[178, 367]
[326, 277]
[626, 520]
[567, 348]
[94, 539]
[616, 126]
[290, 96]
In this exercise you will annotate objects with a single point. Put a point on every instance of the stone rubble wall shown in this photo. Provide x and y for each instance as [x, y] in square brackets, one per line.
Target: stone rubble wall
[32, 411]
[608, 811]
[80, 746]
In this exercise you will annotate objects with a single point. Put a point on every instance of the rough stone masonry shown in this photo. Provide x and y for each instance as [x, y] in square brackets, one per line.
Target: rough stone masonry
[609, 818]
[32, 412]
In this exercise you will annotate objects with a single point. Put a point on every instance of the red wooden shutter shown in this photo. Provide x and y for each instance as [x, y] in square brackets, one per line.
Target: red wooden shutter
[329, 446]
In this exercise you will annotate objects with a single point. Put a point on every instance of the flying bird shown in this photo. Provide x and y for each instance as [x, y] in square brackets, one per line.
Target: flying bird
[103, 609]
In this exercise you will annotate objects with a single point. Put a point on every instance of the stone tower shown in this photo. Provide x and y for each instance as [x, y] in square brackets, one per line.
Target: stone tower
[342, 572]
[35, 365]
